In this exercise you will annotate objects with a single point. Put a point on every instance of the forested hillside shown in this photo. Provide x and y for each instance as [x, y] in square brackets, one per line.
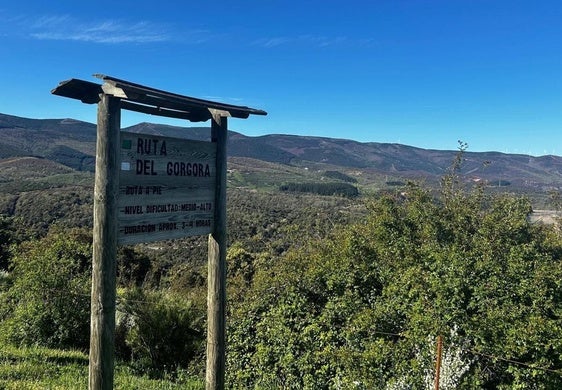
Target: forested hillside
[374, 165]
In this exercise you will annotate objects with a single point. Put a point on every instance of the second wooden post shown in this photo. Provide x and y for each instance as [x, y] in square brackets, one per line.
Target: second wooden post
[216, 289]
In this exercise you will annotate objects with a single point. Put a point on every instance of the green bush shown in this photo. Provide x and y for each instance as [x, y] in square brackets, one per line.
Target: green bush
[158, 331]
[362, 308]
[132, 266]
[6, 239]
[48, 301]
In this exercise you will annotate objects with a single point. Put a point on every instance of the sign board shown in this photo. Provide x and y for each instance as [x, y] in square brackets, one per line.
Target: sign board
[166, 188]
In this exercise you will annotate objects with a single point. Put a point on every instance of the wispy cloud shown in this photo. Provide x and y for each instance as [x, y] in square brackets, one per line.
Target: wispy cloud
[323, 41]
[45, 22]
[310, 40]
[272, 42]
[67, 28]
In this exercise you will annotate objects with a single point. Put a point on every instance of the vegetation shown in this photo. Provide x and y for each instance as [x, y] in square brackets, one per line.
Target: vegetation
[45, 302]
[341, 189]
[48, 277]
[325, 292]
[39, 368]
[337, 175]
[6, 239]
[395, 183]
[159, 332]
[362, 308]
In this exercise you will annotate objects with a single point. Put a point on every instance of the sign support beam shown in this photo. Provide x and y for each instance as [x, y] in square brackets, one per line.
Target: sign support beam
[106, 191]
[216, 279]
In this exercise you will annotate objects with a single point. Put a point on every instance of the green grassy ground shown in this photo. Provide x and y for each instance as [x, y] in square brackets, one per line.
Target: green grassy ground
[41, 368]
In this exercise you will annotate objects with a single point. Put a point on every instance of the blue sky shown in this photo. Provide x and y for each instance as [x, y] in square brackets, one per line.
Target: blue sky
[421, 72]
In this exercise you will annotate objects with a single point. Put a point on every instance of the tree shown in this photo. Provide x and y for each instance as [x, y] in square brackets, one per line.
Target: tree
[6, 239]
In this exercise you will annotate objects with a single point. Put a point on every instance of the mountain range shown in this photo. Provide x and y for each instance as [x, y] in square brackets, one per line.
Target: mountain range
[71, 143]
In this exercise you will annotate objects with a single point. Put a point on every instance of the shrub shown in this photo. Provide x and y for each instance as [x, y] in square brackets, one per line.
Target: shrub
[47, 302]
[159, 330]
[132, 266]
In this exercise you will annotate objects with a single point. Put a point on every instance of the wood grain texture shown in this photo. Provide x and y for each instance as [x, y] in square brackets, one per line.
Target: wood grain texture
[167, 188]
[104, 245]
[216, 293]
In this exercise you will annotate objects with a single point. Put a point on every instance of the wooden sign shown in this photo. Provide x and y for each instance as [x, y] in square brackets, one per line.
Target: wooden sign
[166, 188]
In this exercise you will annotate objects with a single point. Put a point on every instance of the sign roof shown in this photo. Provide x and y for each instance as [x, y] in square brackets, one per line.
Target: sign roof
[140, 98]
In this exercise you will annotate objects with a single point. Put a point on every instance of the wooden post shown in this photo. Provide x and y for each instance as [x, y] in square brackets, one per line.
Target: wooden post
[216, 288]
[106, 190]
[438, 361]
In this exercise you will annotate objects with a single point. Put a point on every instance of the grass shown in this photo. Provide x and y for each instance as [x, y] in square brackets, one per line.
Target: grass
[37, 368]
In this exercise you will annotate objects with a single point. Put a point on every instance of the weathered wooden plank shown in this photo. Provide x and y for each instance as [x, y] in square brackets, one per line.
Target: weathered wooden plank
[192, 115]
[166, 98]
[85, 91]
[157, 194]
[163, 229]
[104, 245]
[158, 106]
[148, 155]
[141, 209]
[167, 188]
[169, 183]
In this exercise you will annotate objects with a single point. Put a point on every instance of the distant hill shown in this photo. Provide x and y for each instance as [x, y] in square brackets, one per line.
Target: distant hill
[72, 143]
[66, 141]
[405, 161]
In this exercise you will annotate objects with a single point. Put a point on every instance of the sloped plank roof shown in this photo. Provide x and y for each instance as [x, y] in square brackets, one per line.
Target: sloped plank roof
[140, 98]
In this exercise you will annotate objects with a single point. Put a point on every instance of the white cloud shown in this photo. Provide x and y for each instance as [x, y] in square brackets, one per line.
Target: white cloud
[67, 28]
[43, 22]
[313, 41]
[322, 41]
[272, 42]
